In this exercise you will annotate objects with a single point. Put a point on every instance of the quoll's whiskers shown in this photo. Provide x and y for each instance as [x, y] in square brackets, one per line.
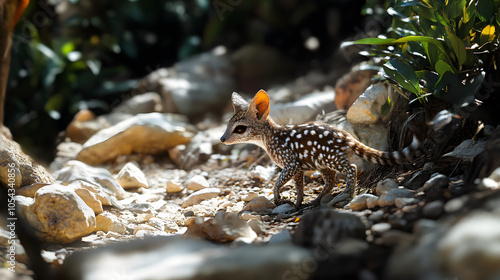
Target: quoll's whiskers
[309, 146]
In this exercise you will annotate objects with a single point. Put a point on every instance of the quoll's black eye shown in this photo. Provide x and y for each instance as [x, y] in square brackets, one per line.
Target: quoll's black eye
[240, 129]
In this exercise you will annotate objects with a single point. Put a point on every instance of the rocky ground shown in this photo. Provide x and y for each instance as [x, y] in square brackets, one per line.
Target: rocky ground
[161, 198]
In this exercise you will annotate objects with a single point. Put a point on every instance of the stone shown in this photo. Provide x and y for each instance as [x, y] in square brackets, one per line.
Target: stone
[197, 183]
[193, 86]
[384, 186]
[305, 109]
[151, 133]
[401, 202]
[433, 210]
[147, 102]
[283, 236]
[250, 196]
[59, 215]
[367, 109]
[90, 196]
[108, 222]
[104, 197]
[350, 86]
[259, 204]
[90, 199]
[417, 180]
[17, 169]
[469, 250]
[283, 208]
[82, 127]
[198, 150]
[170, 257]
[380, 228]
[77, 170]
[173, 187]
[256, 226]
[488, 184]
[130, 176]
[360, 202]
[225, 227]
[437, 182]
[388, 198]
[327, 228]
[200, 196]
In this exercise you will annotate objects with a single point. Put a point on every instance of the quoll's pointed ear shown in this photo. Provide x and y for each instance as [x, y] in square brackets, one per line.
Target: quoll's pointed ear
[259, 107]
[239, 104]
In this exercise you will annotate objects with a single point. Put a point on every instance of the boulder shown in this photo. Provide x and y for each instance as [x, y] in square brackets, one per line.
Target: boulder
[59, 215]
[17, 169]
[145, 133]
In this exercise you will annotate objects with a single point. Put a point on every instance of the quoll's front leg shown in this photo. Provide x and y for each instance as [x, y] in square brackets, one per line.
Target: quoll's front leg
[348, 193]
[288, 173]
[299, 187]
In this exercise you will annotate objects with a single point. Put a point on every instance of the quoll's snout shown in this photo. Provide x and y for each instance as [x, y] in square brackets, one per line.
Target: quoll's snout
[223, 138]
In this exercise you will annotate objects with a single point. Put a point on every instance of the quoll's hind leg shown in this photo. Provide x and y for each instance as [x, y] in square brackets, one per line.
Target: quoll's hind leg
[299, 187]
[330, 178]
[348, 193]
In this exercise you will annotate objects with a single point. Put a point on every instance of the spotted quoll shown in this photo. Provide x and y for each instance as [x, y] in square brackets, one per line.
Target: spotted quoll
[309, 146]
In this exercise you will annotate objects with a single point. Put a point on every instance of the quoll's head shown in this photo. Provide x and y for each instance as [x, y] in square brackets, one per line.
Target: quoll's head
[248, 121]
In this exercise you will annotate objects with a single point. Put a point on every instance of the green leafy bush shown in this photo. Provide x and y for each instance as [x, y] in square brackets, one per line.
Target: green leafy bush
[439, 47]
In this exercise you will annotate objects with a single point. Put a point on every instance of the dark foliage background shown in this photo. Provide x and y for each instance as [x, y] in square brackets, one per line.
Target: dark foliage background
[76, 54]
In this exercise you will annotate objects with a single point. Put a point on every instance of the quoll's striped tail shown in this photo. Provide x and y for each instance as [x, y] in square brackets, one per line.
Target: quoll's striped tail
[404, 156]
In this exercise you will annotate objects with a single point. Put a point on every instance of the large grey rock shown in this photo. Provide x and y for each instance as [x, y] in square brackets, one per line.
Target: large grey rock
[145, 133]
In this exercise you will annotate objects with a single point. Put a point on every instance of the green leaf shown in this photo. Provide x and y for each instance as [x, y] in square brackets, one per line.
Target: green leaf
[374, 41]
[403, 74]
[485, 9]
[67, 48]
[454, 8]
[458, 47]
[442, 67]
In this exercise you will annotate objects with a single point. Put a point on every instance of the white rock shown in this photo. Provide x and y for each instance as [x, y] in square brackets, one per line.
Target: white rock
[197, 183]
[201, 195]
[470, 249]
[488, 184]
[360, 202]
[367, 108]
[130, 176]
